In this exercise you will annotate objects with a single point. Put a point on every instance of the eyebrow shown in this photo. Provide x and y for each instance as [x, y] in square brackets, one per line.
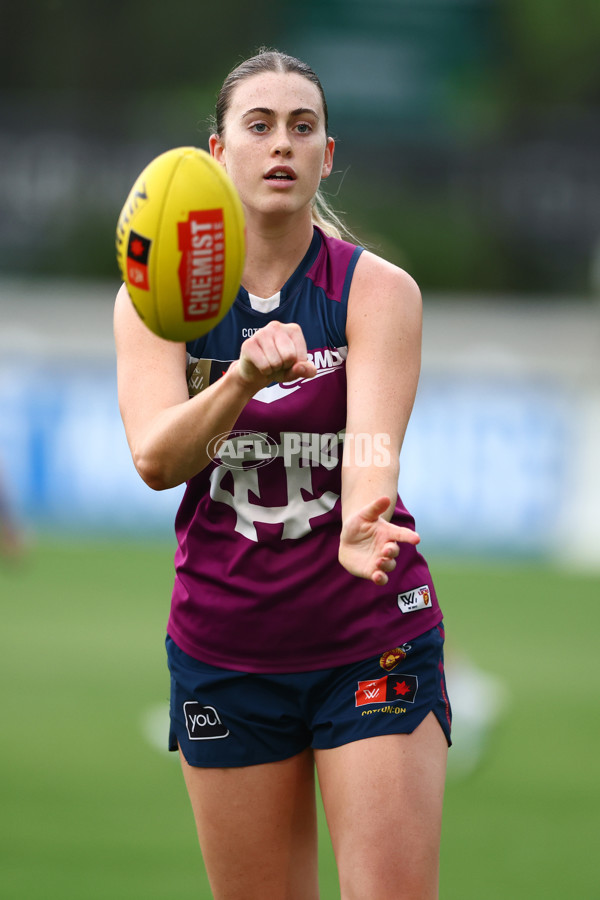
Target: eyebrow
[301, 111]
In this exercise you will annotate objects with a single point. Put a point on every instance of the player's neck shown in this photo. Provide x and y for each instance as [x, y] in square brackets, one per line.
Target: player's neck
[273, 253]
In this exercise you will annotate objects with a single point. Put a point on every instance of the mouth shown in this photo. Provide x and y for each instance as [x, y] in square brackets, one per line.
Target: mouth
[280, 174]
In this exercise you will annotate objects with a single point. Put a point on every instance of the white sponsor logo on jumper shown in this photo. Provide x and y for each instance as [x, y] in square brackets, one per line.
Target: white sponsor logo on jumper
[326, 361]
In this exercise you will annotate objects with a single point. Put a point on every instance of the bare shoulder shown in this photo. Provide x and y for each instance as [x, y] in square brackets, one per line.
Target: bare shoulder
[382, 293]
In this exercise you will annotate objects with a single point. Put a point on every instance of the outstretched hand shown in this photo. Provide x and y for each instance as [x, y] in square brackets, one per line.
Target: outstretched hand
[369, 543]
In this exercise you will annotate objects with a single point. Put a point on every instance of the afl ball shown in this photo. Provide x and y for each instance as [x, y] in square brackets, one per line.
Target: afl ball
[181, 244]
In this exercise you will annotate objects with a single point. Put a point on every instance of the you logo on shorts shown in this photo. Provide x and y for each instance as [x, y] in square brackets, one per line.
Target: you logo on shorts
[203, 722]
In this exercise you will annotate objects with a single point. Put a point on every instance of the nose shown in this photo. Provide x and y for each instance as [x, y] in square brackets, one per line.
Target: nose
[281, 144]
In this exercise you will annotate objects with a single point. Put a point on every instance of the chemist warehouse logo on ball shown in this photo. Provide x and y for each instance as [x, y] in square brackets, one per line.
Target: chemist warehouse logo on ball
[202, 268]
[252, 450]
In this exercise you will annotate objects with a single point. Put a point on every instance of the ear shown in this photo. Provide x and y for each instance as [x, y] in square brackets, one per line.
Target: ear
[217, 149]
[328, 158]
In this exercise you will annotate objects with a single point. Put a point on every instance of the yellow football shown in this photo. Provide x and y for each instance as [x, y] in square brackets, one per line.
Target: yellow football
[181, 244]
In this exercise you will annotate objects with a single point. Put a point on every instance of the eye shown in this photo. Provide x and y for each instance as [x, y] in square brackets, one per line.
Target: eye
[258, 127]
[303, 128]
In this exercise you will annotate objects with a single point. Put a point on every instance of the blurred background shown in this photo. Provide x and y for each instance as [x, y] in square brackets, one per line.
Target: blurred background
[468, 138]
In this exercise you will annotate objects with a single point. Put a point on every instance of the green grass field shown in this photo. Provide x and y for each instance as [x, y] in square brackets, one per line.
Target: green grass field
[91, 810]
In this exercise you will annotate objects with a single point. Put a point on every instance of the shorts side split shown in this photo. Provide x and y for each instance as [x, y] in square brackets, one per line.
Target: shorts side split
[223, 718]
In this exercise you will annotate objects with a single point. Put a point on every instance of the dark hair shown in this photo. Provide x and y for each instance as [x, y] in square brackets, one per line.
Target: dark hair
[264, 61]
[275, 61]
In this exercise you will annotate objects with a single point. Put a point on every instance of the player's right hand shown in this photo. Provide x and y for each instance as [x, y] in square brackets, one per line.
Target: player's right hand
[276, 352]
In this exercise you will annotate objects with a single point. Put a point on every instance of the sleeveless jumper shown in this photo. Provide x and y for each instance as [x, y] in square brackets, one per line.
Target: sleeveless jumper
[258, 585]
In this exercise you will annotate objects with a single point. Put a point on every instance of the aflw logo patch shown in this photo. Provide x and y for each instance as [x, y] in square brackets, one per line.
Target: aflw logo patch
[203, 722]
[390, 687]
[420, 598]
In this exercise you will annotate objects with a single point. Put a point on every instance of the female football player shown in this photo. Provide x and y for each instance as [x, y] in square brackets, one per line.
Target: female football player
[305, 633]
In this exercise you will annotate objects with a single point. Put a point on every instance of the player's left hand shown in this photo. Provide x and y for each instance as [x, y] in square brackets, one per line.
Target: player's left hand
[369, 543]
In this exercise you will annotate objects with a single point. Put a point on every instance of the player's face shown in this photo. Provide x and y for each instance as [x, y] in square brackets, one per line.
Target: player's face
[274, 146]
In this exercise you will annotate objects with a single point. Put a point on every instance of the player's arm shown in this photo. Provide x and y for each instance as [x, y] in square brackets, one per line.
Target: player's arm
[384, 355]
[168, 433]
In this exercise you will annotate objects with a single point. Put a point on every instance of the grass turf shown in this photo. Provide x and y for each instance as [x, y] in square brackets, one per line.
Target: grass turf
[90, 809]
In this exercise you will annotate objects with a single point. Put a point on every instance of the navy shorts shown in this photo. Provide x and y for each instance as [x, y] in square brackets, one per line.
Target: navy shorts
[222, 718]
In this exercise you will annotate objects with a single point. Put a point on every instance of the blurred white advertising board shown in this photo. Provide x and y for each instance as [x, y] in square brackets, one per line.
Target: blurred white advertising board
[501, 455]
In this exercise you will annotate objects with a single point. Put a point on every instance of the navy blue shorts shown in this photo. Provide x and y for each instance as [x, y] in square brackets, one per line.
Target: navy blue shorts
[222, 718]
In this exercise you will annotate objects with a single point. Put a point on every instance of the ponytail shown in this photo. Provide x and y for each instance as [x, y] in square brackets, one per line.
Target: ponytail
[325, 218]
